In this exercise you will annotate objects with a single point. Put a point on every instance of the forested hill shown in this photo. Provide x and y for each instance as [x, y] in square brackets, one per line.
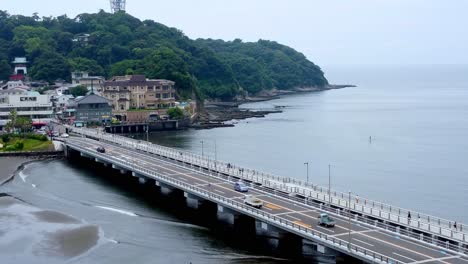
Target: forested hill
[120, 44]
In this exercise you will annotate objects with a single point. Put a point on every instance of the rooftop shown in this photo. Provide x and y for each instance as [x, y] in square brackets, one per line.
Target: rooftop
[92, 99]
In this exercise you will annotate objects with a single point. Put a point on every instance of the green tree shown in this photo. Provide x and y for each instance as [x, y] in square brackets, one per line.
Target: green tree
[24, 124]
[5, 70]
[175, 113]
[79, 90]
[11, 125]
[86, 65]
[50, 66]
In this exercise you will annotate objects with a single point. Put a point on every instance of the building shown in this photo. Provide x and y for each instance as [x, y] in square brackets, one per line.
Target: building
[91, 82]
[20, 70]
[92, 109]
[27, 104]
[135, 92]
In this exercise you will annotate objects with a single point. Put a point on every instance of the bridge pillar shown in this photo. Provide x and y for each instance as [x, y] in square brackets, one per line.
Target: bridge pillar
[193, 201]
[227, 215]
[279, 239]
[165, 189]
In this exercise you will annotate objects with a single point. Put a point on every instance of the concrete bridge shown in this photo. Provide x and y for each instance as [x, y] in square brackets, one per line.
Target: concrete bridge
[367, 230]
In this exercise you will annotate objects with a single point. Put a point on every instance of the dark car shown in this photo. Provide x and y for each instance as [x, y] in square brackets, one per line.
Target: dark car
[101, 150]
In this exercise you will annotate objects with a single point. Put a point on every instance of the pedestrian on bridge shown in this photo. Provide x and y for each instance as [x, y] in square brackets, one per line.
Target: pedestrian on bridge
[409, 216]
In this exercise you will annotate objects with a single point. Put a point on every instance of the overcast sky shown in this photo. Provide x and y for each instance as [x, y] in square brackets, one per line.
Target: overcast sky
[328, 32]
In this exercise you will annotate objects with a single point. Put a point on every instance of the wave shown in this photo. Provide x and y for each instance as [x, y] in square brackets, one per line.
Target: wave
[116, 210]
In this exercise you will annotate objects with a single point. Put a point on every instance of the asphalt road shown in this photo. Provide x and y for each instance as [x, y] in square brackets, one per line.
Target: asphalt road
[386, 243]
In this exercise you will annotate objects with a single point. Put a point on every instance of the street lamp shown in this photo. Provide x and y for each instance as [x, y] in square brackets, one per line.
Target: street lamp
[202, 148]
[349, 221]
[329, 184]
[307, 165]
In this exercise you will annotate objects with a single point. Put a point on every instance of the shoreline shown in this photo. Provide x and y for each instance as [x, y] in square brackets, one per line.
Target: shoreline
[222, 114]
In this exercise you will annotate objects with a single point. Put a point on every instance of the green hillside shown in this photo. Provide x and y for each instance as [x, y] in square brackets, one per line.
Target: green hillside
[120, 44]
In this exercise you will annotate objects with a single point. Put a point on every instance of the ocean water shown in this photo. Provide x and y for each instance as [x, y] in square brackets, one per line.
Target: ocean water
[416, 116]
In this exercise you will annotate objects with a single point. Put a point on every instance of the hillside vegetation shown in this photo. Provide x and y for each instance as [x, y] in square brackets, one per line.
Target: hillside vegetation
[120, 44]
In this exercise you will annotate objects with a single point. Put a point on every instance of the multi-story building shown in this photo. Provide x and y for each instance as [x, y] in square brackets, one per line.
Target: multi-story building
[27, 104]
[92, 108]
[91, 82]
[135, 92]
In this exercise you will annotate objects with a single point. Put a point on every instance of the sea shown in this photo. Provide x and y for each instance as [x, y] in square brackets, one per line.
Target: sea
[399, 136]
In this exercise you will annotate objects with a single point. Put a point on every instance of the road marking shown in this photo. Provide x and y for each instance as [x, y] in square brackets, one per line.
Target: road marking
[400, 247]
[290, 216]
[365, 243]
[435, 259]
[293, 212]
[302, 224]
[396, 254]
[356, 232]
[218, 191]
[273, 206]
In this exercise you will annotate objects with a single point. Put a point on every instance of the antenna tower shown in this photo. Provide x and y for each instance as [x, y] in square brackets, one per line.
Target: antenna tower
[117, 5]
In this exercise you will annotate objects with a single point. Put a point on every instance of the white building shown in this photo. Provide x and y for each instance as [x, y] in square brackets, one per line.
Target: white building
[27, 104]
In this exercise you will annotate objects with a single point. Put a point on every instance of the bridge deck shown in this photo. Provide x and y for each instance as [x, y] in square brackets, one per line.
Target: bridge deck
[386, 243]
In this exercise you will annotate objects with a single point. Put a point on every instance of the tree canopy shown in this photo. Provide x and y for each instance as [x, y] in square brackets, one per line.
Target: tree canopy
[117, 44]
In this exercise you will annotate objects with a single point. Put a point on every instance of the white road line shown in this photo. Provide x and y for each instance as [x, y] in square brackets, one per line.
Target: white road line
[435, 259]
[218, 191]
[400, 247]
[293, 212]
[396, 254]
[264, 207]
[355, 232]
[293, 217]
[365, 243]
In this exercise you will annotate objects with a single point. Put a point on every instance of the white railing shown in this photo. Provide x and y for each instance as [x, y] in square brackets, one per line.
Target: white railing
[385, 212]
[306, 232]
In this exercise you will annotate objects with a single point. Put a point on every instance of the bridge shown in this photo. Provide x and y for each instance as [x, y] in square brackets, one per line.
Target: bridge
[366, 230]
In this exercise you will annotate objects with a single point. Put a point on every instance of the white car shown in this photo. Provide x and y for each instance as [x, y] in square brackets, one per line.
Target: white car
[65, 135]
[253, 201]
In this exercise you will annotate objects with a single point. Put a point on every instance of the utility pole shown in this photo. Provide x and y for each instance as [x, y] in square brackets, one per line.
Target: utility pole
[307, 165]
[349, 221]
[329, 184]
[147, 132]
[202, 154]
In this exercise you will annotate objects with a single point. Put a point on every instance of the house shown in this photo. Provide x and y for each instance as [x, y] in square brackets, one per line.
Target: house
[92, 109]
[91, 82]
[136, 92]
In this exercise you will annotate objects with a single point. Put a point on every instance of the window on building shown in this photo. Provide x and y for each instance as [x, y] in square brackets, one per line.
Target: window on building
[158, 95]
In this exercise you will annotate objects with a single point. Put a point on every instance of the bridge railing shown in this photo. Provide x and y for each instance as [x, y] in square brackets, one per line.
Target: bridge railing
[302, 230]
[418, 221]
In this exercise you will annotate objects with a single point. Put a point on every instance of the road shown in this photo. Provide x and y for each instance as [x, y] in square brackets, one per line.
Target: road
[386, 243]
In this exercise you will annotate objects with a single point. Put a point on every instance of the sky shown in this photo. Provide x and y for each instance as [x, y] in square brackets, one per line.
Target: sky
[328, 32]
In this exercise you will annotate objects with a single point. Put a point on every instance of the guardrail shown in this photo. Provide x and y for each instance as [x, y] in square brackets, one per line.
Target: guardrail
[419, 221]
[303, 231]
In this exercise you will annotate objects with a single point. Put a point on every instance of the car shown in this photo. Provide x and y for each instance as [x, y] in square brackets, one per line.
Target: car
[55, 134]
[65, 135]
[101, 150]
[241, 187]
[325, 220]
[253, 201]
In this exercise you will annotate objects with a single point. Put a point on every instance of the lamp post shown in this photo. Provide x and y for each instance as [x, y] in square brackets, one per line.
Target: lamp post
[329, 184]
[216, 155]
[349, 221]
[202, 148]
[307, 165]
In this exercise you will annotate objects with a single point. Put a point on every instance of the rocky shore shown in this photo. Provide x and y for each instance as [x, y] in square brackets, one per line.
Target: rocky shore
[218, 114]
